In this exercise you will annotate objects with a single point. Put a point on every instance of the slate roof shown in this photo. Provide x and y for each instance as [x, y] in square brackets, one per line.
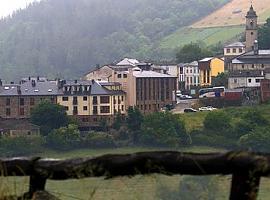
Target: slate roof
[150, 74]
[235, 44]
[251, 73]
[17, 124]
[47, 88]
[128, 62]
[251, 13]
[263, 57]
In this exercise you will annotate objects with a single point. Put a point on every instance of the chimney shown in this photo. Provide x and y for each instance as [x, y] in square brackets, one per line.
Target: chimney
[29, 78]
[38, 78]
[75, 81]
[19, 91]
[256, 47]
[93, 81]
[1, 83]
[33, 83]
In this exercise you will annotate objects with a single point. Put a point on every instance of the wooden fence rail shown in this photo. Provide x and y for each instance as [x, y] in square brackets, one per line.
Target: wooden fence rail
[246, 168]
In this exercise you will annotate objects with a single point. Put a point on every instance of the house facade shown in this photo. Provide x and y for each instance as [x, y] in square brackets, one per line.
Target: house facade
[209, 68]
[245, 79]
[90, 101]
[17, 100]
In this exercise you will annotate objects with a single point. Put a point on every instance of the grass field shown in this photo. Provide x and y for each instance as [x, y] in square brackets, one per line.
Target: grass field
[209, 36]
[226, 16]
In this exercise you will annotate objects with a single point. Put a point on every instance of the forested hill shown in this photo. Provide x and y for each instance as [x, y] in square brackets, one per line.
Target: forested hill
[68, 37]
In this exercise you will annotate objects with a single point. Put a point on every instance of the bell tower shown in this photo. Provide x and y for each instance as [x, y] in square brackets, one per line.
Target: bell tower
[251, 28]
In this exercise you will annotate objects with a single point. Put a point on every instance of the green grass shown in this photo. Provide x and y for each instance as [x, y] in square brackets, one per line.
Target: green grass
[209, 36]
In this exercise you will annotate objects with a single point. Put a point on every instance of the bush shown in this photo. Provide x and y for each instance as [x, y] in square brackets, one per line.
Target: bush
[217, 121]
[20, 146]
[98, 140]
[64, 138]
[257, 140]
[163, 129]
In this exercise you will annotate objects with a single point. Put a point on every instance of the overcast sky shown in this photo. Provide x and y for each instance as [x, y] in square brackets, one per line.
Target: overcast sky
[8, 6]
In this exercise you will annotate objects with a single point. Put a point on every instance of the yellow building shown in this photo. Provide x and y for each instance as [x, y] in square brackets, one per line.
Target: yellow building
[210, 68]
[90, 101]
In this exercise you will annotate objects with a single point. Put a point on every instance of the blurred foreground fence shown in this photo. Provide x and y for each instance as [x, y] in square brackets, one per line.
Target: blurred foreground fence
[246, 168]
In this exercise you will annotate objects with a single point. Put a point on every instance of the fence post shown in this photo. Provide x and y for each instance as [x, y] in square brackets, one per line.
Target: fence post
[37, 183]
[245, 186]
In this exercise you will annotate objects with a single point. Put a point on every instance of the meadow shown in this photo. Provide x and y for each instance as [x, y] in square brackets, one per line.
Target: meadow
[209, 36]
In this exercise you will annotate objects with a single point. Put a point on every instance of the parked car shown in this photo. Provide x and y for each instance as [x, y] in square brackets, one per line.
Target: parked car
[203, 109]
[183, 96]
[189, 110]
[211, 108]
[208, 108]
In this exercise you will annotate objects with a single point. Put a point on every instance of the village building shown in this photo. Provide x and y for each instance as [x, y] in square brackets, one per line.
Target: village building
[17, 100]
[157, 87]
[91, 102]
[245, 79]
[18, 128]
[209, 68]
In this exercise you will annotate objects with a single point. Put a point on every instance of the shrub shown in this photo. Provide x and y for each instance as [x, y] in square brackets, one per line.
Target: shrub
[98, 140]
[257, 140]
[64, 138]
[20, 146]
[217, 121]
[163, 129]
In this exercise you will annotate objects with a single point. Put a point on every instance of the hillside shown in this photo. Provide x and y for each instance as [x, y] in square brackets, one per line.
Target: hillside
[234, 13]
[224, 24]
[65, 38]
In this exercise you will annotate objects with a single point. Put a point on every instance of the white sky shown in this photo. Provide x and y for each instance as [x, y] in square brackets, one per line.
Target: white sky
[8, 6]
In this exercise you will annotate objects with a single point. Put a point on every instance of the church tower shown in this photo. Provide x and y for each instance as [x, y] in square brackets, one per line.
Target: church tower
[251, 29]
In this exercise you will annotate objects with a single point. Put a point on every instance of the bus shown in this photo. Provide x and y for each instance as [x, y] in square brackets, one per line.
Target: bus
[212, 92]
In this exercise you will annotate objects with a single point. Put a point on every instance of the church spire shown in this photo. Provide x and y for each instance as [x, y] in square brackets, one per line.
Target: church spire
[251, 13]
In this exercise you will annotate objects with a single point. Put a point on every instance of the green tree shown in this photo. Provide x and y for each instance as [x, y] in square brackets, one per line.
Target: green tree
[64, 138]
[192, 52]
[134, 122]
[264, 35]
[217, 121]
[49, 116]
[257, 140]
[118, 121]
[221, 80]
[163, 129]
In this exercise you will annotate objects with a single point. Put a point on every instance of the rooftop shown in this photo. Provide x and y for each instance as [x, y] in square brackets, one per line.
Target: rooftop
[150, 74]
[128, 62]
[235, 44]
[253, 73]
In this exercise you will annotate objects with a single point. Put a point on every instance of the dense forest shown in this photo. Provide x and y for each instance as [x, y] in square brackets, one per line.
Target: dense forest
[65, 38]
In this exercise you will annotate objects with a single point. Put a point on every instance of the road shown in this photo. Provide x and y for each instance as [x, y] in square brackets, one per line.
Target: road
[183, 104]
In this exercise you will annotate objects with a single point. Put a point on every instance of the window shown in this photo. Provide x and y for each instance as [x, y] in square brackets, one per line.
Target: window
[32, 101]
[258, 80]
[252, 65]
[85, 108]
[249, 80]
[95, 110]
[251, 33]
[125, 75]
[243, 66]
[235, 80]
[122, 108]
[122, 98]
[104, 99]
[228, 50]
[240, 50]
[234, 50]
[64, 98]
[191, 71]
[119, 75]
[104, 109]
[95, 100]
[85, 98]
[21, 111]
[66, 108]
[262, 65]
[21, 101]
[8, 112]
[7, 101]
[75, 110]
[75, 101]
